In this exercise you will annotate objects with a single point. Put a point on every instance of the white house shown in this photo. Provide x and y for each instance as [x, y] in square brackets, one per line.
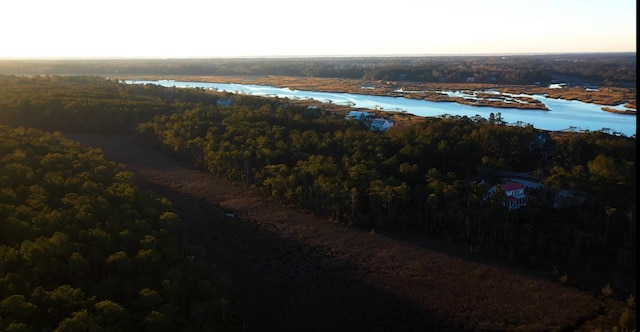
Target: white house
[515, 196]
[377, 124]
[357, 115]
[380, 124]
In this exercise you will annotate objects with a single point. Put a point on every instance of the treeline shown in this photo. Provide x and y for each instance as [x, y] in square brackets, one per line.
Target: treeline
[87, 103]
[424, 178]
[82, 248]
[606, 69]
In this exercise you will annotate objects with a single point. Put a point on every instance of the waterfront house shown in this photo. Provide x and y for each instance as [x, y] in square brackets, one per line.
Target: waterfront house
[379, 124]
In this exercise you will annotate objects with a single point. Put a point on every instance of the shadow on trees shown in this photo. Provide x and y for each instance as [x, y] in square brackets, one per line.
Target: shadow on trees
[285, 285]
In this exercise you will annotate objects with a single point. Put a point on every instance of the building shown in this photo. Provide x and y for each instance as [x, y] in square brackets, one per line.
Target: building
[569, 198]
[380, 124]
[514, 192]
[224, 102]
[375, 124]
[357, 115]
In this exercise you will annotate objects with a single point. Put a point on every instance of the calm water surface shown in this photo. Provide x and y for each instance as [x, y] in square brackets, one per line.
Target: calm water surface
[562, 114]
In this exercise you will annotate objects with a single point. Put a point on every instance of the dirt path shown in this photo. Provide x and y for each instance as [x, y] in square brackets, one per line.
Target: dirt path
[295, 272]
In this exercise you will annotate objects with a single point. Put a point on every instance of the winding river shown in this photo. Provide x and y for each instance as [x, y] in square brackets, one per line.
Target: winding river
[568, 115]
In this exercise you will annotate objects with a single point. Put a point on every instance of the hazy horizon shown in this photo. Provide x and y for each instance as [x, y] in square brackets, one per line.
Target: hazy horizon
[71, 29]
[309, 56]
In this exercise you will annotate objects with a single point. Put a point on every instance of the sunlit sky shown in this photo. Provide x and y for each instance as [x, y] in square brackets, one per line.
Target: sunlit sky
[257, 28]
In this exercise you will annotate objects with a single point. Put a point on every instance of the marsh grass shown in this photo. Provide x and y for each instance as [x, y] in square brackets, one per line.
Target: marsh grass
[605, 96]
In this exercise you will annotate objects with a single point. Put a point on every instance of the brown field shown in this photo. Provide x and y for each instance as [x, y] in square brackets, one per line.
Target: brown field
[293, 271]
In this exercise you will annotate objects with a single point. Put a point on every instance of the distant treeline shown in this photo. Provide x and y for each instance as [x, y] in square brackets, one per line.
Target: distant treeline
[598, 69]
[424, 178]
[88, 104]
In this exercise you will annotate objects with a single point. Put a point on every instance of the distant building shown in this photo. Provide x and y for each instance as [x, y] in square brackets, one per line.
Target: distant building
[569, 198]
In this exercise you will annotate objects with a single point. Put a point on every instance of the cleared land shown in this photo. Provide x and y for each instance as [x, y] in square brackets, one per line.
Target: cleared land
[293, 271]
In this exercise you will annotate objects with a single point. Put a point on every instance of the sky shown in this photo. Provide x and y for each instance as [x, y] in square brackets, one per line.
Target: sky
[281, 28]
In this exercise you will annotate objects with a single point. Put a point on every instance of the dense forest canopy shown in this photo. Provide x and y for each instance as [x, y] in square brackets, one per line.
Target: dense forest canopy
[82, 248]
[429, 178]
[606, 69]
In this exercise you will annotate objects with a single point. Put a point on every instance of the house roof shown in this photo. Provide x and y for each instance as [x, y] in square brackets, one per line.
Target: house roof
[509, 186]
[358, 113]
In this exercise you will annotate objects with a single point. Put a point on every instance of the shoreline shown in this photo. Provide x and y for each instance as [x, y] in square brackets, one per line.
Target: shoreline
[427, 91]
[612, 110]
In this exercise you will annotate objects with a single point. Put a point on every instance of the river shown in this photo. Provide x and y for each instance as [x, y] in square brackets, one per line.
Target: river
[562, 114]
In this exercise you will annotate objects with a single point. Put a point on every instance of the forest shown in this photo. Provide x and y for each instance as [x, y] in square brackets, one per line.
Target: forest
[84, 249]
[599, 69]
[428, 178]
